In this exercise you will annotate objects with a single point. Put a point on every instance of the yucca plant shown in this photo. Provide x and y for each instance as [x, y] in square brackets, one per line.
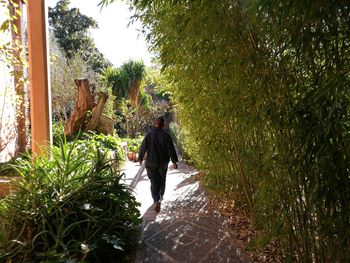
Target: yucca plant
[69, 207]
[136, 72]
[126, 80]
[118, 80]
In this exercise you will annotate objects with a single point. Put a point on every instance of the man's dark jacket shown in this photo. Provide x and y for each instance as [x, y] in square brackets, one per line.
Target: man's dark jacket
[159, 147]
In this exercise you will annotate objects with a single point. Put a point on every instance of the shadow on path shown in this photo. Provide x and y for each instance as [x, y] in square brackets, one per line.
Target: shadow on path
[184, 231]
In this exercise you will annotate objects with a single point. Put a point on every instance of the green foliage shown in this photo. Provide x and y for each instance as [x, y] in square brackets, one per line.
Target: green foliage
[69, 207]
[11, 48]
[71, 29]
[133, 144]
[157, 89]
[118, 80]
[140, 96]
[7, 169]
[132, 102]
[108, 109]
[262, 93]
[178, 135]
[145, 100]
[158, 85]
[125, 81]
[135, 70]
[57, 133]
[110, 146]
[63, 72]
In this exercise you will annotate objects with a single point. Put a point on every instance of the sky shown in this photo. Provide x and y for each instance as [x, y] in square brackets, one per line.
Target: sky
[118, 42]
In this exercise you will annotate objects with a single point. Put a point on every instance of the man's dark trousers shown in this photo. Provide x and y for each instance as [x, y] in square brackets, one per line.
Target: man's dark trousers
[157, 176]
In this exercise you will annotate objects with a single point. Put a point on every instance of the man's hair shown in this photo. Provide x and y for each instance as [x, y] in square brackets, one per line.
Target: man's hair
[159, 122]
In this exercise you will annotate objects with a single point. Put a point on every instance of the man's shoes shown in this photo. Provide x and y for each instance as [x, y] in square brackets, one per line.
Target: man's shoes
[157, 207]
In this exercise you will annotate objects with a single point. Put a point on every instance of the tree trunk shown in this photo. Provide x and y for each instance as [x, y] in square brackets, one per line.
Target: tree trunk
[137, 121]
[85, 102]
[97, 111]
[106, 125]
[19, 85]
[134, 93]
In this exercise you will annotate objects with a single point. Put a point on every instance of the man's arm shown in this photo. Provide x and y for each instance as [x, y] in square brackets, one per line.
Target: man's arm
[143, 149]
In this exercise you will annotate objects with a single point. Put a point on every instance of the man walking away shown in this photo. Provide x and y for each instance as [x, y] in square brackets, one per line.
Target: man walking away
[160, 150]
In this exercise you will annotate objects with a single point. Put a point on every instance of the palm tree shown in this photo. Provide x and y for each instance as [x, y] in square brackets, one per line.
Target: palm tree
[135, 70]
[118, 80]
[125, 82]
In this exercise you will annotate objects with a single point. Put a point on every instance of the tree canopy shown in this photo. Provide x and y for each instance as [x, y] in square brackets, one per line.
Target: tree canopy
[71, 29]
[63, 72]
[125, 81]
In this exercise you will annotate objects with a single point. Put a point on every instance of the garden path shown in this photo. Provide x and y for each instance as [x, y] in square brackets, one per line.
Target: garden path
[184, 230]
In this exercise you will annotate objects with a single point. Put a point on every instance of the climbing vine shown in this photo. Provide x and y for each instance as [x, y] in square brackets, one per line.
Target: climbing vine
[13, 57]
[11, 51]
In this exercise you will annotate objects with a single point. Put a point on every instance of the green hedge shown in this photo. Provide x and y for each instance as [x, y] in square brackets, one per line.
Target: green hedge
[262, 92]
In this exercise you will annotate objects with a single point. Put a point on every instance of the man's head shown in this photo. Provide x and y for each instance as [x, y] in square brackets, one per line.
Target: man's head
[159, 123]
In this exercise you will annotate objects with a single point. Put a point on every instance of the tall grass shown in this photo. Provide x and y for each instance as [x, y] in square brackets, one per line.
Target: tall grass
[69, 207]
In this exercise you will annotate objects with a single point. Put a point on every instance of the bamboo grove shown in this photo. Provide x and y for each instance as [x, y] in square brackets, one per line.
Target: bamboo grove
[262, 90]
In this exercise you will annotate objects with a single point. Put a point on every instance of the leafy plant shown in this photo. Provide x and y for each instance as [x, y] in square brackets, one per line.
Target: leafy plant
[134, 144]
[105, 143]
[57, 132]
[125, 81]
[69, 207]
[118, 80]
[8, 168]
[12, 93]
[109, 145]
[126, 85]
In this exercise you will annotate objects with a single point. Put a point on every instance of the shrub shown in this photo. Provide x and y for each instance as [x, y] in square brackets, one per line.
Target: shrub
[134, 144]
[111, 146]
[57, 132]
[105, 143]
[70, 207]
[7, 169]
[262, 90]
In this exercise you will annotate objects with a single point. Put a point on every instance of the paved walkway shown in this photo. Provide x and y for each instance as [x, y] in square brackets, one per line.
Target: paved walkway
[184, 230]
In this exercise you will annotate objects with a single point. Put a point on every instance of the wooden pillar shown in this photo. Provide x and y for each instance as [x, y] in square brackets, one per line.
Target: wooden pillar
[40, 106]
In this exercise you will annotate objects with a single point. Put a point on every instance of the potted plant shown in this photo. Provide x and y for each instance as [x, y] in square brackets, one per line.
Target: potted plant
[130, 156]
[133, 146]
